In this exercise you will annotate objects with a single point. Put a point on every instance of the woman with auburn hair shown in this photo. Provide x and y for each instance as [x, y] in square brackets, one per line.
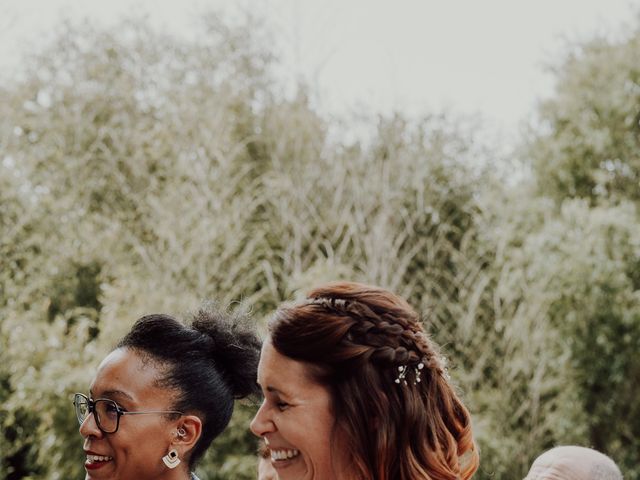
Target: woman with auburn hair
[355, 389]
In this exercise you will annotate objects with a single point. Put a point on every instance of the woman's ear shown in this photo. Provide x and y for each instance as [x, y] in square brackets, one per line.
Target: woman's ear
[188, 431]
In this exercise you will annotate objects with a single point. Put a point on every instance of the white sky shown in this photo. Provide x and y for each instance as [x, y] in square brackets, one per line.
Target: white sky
[414, 56]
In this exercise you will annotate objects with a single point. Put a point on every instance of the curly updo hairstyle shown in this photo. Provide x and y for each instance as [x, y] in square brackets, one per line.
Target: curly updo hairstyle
[209, 362]
[397, 414]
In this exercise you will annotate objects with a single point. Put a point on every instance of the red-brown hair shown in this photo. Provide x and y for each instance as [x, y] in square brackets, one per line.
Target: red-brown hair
[356, 337]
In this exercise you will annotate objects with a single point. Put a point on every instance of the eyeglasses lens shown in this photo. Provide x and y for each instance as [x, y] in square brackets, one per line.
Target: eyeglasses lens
[105, 412]
[82, 408]
[107, 415]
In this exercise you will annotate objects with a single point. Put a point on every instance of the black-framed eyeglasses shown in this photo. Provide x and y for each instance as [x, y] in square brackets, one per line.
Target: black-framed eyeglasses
[106, 412]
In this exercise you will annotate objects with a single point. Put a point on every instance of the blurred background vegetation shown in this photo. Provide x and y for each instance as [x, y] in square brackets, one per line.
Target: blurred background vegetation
[144, 173]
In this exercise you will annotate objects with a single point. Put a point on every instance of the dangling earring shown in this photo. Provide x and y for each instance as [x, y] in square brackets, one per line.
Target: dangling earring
[171, 459]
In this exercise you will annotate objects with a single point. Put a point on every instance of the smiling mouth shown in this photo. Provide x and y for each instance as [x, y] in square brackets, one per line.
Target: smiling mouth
[96, 461]
[284, 454]
[98, 458]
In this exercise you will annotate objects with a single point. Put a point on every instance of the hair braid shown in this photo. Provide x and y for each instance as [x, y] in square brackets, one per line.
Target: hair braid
[393, 340]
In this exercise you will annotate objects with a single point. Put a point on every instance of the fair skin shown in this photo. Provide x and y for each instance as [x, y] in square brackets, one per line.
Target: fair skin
[296, 420]
[266, 470]
[573, 463]
[136, 449]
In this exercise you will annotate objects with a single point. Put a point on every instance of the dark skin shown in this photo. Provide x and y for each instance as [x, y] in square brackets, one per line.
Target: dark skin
[135, 451]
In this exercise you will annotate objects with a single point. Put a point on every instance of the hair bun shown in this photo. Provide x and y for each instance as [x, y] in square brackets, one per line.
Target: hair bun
[235, 346]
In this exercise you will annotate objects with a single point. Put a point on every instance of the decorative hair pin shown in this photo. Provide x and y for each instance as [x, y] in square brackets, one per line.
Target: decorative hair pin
[418, 369]
[402, 373]
[445, 370]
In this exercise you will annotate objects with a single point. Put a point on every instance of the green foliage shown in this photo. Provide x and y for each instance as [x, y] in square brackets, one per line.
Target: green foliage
[141, 173]
[233, 454]
[589, 146]
[564, 328]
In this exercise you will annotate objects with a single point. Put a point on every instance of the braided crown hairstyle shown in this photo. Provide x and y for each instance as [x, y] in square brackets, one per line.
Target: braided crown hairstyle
[357, 337]
[209, 362]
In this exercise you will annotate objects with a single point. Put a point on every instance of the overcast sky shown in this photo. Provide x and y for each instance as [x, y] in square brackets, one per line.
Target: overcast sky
[469, 56]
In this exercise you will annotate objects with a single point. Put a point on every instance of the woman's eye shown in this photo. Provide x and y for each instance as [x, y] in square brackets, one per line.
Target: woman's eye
[282, 405]
[106, 409]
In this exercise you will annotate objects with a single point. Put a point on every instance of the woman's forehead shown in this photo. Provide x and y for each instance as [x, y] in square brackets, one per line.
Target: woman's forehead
[286, 375]
[125, 373]
[273, 362]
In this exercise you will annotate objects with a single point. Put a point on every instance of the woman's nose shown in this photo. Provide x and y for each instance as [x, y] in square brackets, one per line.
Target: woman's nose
[262, 422]
[89, 427]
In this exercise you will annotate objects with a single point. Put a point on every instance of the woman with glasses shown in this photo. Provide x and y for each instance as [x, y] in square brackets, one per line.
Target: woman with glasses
[160, 398]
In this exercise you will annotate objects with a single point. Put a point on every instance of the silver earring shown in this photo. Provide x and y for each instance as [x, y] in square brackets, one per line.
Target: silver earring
[171, 459]
[181, 432]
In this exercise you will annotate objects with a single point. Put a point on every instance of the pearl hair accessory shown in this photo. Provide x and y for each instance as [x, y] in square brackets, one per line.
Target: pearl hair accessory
[418, 369]
[403, 372]
[403, 369]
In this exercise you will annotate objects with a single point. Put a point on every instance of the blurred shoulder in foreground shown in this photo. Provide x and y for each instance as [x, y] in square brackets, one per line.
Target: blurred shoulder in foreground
[573, 463]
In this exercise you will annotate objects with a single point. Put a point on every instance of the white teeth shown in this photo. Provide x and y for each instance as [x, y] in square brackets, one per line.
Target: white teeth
[284, 454]
[98, 458]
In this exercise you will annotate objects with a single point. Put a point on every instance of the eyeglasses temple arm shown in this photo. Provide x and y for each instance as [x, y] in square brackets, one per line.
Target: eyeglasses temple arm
[153, 411]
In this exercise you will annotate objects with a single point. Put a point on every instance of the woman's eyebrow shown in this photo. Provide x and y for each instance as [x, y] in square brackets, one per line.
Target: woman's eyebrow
[280, 393]
[115, 393]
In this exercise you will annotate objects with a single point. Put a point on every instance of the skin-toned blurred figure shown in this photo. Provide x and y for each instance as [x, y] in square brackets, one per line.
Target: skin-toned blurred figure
[573, 463]
[265, 469]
